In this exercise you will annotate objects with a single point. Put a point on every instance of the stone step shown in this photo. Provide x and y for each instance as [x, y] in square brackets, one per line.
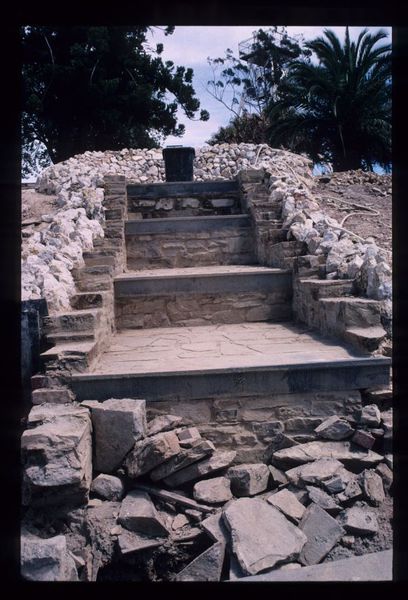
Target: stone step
[78, 355]
[326, 288]
[237, 361]
[352, 311]
[97, 258]
[85, 300]
[75, 321]
[67, 337]
[366, 338]
[189, 241]
[200, 295]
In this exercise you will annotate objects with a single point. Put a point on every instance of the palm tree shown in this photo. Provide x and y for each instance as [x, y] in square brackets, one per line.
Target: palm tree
[339, 109]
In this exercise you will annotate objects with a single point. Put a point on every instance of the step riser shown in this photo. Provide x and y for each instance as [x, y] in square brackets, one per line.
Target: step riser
[201, 309]
[311, 378]
[190, 249]
[71, 323]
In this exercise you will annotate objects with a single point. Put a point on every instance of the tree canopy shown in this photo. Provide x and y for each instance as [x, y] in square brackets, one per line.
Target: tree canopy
[99, 88]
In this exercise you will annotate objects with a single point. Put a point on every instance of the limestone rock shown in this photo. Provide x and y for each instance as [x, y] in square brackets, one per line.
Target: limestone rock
[117, 424]
[57, 455]
[138, 513]
[151, 452]
[353, 490]
[373, 487]
[100, 520]
[108, 487]
[130, 542]
[322, 499]
[163, 423]
[345, 452]
[370, 415]
[46, 559]
[219, 460]
[206, 567]
[359, 520]
[278, 477]
[188, 436]
[248, 479]
[386, 474]
[322, 532]
[261, 536]
[215, 527]
[288, 504]
[179, 521]
[315, 472]
[198, 449]
[363, 438]
[334, 428]
[213, 491]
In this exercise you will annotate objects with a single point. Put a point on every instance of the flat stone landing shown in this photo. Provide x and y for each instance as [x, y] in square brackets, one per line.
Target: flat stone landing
[197, 362]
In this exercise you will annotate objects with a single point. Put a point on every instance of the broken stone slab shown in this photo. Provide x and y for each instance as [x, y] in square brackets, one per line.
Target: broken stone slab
[363, 438]
[352, 491]
[359, 520]
[386, 474]
[219, 460]
[261, 535]
[334, 428]
[324, 500]
[186, 535]
[57, 455]
[46, 559]
[248, 479]
[278, 477]
[280, 441]
[339, 481]
[199, 449]
[343, 451]
[179, 521]
[206, 567]
[322, 532]
[150, 453]
[370, 415]
[368, 567]
[117, 425]
[108, 487]
[176, 498]
[163, 423]
[216, 528]
[187, 436]
[213, 491]
[372, 487]
[235, 570]
[138, 513]
[100, 520]
[314, 472]
[288, 504]
[130, 542]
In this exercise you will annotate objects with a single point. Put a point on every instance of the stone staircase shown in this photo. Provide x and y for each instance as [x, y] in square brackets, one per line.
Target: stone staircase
[188, 303]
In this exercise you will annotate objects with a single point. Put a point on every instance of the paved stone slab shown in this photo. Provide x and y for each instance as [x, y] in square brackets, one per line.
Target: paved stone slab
[359, 520]
[322, 532]
[108, 487]
[314, 472]
[288, 504]
[117, 425]
[138, 513]
[334, 428]
[151, 452]
[248, 479]
[198, 450]
[345, 452]
[369, 567]
[213, 491]
[219, 460]
[163, 423]
[206, 567]
[46, 559]
[261, 535]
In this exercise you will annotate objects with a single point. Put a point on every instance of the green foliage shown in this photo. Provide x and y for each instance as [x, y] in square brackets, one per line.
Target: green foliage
[99, 88]
[339, 109]
[247, 128]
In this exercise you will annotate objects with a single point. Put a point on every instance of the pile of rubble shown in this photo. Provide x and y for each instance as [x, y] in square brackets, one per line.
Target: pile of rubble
[380, 184]
[167, 505]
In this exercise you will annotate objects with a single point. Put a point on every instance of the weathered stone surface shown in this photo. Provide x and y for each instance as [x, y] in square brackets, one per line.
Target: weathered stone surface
[386, 474]
[353, 490]
[138, 513]
[363, 438]
[199, 449]
[216, 528]
[322, 532]
[151, 452]
[187, 436]
[206, 567]
[322, 499]
[46, 559]
[163, 423]
[130, 542]
[315, 472]
[117, 425]
[278, 477]
[345, 452]
[100, 521]
[373, 487]
[219, 460]
[213, 491]
[108, 487]
[57, 455]
[248, 479]
[370, 415]
[261, 536]
[179, 521]
[339, 481]
[288, 504]
[334, 428]
[359, 520]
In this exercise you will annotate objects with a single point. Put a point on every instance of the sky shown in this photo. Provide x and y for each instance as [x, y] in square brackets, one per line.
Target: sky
[189, 46]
